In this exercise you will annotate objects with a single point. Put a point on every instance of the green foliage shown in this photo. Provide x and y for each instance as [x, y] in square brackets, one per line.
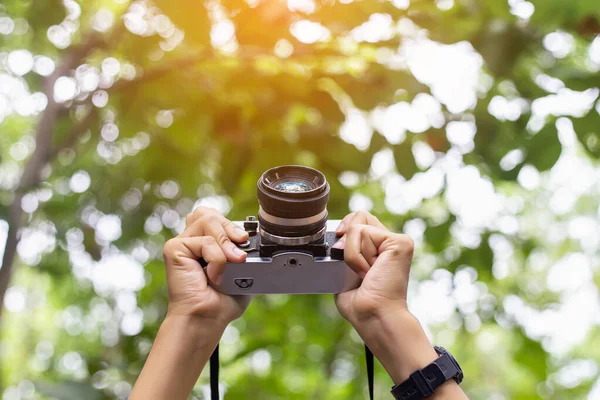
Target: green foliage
[192, 17]
[68, 390]
[200, 116]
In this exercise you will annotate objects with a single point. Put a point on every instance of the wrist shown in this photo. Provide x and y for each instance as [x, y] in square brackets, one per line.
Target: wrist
[195, 327]
[398, 341]
[182, 347]
[188, 315]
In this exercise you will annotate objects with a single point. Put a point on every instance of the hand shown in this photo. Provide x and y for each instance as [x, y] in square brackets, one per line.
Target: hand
[382, 259]
[207, 235]
[377, 308]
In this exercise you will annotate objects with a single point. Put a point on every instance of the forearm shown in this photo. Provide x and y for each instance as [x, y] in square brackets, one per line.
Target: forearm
[180, 352]
[401, 346]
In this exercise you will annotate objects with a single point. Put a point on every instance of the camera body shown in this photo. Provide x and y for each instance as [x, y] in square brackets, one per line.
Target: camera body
[272, 268]
[289, 249]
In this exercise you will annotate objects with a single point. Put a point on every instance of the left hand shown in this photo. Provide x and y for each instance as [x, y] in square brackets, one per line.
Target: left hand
[208, 235]
[197, 314]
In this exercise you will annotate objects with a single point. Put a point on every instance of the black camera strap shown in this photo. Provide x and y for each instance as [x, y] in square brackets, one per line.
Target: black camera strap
[214, 373]
[370, 370]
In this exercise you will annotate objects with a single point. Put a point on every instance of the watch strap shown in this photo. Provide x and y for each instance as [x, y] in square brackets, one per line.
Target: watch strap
[422, 383]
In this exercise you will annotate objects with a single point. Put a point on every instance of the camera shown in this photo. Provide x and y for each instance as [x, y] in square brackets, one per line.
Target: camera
[289, 249]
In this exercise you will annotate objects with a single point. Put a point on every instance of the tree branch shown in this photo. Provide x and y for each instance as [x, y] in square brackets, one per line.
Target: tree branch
[159, 72]
[209, 54]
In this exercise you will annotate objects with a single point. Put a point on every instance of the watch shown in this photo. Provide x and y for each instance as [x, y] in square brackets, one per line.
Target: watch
[422, 383]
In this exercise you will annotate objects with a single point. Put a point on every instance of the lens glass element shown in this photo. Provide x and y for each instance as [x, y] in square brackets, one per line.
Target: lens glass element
[290, 187]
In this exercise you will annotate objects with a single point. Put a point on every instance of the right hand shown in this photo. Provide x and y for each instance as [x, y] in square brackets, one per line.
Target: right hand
[377, 308]
[207, 235]
[382, 259]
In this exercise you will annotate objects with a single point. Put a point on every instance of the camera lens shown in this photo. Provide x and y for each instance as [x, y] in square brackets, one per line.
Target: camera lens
[293, 187]
[293, 205]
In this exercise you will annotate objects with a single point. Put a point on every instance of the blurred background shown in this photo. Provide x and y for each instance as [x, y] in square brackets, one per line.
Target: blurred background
[472, 126]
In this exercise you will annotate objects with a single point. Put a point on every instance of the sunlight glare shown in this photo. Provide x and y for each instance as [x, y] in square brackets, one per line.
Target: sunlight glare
[309, 32]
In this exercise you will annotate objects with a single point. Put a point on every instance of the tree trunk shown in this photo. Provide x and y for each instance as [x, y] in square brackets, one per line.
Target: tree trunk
[40, 158]
[30, 178]
[44, 153]
[10, 250]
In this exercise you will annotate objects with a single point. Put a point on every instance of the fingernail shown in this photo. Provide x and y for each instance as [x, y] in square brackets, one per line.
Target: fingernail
[340, 227]
[239, 231]
[362, 275]
[218, 279]
[236, 251]
[339, 244]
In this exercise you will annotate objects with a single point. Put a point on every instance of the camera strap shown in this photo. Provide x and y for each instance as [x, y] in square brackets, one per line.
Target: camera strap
[370, 370]
[214, 373]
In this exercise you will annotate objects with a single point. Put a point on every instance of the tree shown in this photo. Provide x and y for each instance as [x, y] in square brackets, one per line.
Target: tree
[117, 116]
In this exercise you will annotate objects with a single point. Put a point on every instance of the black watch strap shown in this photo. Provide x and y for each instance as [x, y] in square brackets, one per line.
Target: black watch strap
[422, 383]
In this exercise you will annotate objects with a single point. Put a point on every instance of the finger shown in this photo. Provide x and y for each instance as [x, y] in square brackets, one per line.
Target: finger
[368, 248]
[359, 217]
[221, 229]
[193, 225]
[399, 246]
[388, 276]
[341, 229]
[353, 254]
[363, 245]
[234, 231]
[198, 213]
[213, 226]
[185, 252]
[366, 218]
[209, 215]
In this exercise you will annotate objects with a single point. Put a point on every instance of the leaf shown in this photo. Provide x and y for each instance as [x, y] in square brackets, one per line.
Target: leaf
[341, 17]
[40, 15]
[439, 236]
[543, 149]
[588, 132]
[405, 160]
[481, 258]
[378, 85]
[532, 356]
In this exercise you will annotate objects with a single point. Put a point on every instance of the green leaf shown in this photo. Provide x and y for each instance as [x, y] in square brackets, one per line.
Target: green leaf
[438, 236]
[405, 160]
[588, 132]
[544, 148]
[532, 356]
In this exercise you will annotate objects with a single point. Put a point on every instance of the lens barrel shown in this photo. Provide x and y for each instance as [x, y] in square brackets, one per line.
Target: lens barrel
[293, 205]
